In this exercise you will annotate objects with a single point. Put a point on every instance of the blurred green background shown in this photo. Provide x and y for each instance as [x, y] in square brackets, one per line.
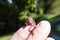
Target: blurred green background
[14, 12]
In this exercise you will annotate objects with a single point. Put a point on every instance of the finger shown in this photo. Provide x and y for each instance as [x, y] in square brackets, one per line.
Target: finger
[21, 34]
[42, 30]
[49, 38]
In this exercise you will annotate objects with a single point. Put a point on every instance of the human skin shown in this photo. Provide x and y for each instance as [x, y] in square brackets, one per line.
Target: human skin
[41, 32]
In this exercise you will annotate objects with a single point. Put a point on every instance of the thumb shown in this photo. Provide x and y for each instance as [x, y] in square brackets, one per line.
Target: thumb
[21, 34]
[42, 30]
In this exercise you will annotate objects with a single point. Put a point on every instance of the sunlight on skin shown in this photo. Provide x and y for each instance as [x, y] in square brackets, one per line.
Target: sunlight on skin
[41, 32]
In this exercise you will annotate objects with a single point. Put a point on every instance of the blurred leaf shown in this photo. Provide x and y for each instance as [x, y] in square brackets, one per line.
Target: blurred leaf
[23, 15]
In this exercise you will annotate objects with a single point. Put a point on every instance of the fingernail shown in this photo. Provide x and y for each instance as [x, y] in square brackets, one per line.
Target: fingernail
[31, 28]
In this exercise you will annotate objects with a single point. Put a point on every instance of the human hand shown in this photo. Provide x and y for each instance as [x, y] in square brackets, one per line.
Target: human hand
[41, 32]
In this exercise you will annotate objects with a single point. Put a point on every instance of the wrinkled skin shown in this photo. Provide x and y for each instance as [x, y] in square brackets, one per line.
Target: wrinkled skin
[41, 32]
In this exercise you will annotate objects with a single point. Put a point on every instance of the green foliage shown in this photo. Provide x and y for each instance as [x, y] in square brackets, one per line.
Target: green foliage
[23, 15]
[6, 37]
[31, 9]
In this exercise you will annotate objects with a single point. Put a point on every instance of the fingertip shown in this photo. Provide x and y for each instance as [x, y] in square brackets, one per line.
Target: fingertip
[44, 23]
[43, 29]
